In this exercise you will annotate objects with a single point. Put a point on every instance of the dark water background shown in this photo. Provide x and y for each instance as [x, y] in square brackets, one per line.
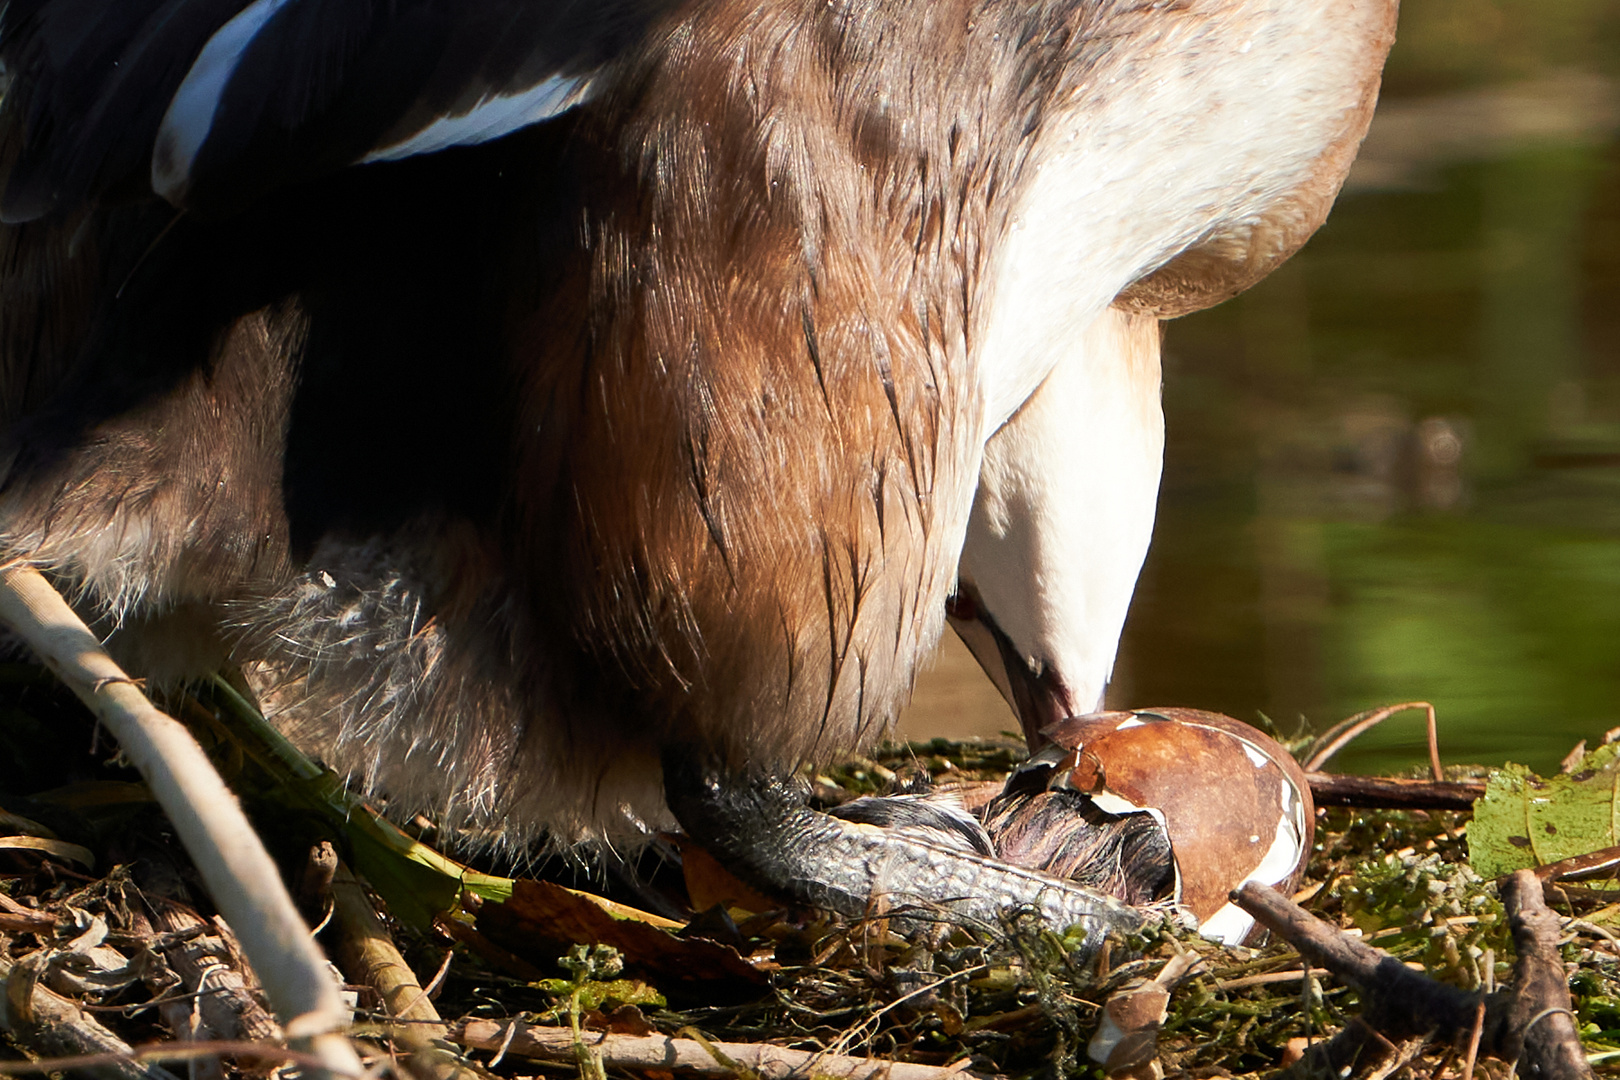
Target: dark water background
[1393, 468]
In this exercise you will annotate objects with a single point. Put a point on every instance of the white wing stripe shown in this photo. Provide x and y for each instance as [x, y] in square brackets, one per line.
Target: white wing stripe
[191, 111]
[491, 118]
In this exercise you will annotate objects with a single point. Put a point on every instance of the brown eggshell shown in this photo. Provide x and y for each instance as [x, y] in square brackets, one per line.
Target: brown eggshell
[1227, 792]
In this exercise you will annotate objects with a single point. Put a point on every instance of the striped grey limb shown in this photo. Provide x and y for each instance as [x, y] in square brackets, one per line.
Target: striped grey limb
[762, 830]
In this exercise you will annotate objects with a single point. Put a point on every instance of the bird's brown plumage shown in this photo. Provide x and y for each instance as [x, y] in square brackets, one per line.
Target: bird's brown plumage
[507, 468]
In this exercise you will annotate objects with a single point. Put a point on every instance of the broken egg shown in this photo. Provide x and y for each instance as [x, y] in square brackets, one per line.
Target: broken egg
[1160, 804]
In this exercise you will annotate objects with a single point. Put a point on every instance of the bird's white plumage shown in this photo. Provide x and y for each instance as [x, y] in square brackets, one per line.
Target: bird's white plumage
[190, 117]
[491, 118]
[1064, 513]
[1202, 131]
[191, 111]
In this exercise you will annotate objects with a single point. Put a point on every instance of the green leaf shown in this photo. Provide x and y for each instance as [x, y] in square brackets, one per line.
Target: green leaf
[1525, 821]
[593, 993]
[417, 882]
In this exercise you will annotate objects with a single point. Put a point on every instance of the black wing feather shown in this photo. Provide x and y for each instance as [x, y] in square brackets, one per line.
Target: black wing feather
[321, 84]
[89, 81]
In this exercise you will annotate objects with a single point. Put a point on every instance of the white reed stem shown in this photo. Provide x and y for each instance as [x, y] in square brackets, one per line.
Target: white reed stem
[239, 873]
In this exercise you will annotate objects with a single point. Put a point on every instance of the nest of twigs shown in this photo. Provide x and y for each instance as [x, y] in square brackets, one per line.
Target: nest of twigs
[114, 963]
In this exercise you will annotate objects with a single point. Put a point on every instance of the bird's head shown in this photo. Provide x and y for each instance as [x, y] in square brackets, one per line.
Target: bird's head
[1061, 523]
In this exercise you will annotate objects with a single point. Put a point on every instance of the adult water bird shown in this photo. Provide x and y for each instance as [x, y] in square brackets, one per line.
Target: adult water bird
[573, 412]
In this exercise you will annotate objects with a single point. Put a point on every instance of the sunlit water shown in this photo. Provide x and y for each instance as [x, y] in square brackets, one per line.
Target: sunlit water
[1393, 469]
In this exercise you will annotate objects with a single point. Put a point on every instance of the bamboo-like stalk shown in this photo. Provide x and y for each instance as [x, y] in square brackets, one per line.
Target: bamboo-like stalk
[367, 955]
[239, 873]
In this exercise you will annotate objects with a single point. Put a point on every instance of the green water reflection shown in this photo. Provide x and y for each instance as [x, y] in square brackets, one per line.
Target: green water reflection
[1393, 469]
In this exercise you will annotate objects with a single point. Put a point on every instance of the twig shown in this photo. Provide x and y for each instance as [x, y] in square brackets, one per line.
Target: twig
[1376, 792]
[202, 959]
[664, 1053]
[1267, 979]
[1473, 1042]
[240, 876]
[1539, 1010]
[367, 955]
[33, 923]
[1400, 1004]
[47, 1023]
[432, 987]
[1578, 867]
[1340, 735]
[314, 892]
[140, 1056]
[1417, 1003]
[1530, 1022]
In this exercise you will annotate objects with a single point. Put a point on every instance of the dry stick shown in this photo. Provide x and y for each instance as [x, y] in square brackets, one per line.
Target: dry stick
[1400, 1003]
[1420, 1003]
[224, 1006]
[314, 892]
[1473, 1041]
[49, 1024]
[1530, 1021]
[1341, 735]
[26, 924]
[1268, 979]
[664, 1053]
[1580, 867]
[233, 863]
[1341, 789]
[168, 1051]
[1539, 1007]
[367, 955]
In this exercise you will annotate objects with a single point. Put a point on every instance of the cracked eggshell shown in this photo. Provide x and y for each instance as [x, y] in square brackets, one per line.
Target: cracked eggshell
[1234, 802]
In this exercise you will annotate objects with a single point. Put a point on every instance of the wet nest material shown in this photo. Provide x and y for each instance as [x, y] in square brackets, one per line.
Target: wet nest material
[108, 943]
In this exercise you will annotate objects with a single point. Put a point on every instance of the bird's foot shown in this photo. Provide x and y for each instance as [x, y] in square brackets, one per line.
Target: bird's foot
[925, 872]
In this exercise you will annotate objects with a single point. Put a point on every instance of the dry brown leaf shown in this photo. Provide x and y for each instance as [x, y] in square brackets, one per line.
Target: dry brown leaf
[541, 920]
[60, 848]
